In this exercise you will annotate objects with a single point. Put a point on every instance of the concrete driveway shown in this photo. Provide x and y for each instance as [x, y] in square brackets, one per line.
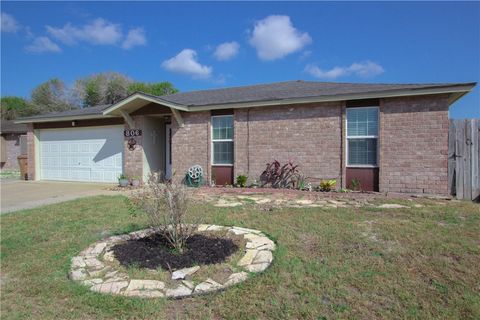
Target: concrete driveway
[19, 194]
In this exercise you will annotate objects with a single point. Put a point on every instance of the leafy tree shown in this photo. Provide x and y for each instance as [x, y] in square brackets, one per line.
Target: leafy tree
[92, 93]
[12, 107]
[155, 88]
[52, 96]
[110, 87]
[102, 88]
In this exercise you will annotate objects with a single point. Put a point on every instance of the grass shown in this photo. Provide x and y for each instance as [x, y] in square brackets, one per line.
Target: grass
[413, 263]
[9, 174]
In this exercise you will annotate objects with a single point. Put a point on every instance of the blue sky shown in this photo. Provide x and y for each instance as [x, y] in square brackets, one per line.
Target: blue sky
[209, 45]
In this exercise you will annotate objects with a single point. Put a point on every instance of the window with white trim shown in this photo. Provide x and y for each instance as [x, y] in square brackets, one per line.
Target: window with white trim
[362, 137]
[222, 140]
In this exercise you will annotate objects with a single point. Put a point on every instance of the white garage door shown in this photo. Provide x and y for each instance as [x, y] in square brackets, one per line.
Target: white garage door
[81, 154]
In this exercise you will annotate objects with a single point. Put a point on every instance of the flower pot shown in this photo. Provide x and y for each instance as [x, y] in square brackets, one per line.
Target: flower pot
[123, 182]
[135, 183]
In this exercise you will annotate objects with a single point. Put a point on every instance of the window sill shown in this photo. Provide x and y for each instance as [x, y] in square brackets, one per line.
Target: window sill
[362, 166]
[222, 165]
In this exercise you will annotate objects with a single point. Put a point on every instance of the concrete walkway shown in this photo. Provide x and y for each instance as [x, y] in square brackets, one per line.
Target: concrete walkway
[19, 195]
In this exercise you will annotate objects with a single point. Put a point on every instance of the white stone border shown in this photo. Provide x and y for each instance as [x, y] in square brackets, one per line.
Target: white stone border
[89, 269]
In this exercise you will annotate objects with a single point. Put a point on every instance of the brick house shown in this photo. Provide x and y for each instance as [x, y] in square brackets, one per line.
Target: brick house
[391, 137]
[12, 143]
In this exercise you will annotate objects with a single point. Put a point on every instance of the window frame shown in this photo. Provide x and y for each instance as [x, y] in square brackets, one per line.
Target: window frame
[347, 138]
[222, 140]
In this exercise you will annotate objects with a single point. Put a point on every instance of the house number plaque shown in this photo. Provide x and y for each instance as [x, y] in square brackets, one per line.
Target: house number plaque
[132, 133]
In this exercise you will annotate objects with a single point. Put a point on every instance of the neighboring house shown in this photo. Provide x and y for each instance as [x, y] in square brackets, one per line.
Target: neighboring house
[13, 143]
[391, 137]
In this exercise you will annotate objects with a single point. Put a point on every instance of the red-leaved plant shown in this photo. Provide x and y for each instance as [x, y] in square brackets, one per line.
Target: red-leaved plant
[279, 176]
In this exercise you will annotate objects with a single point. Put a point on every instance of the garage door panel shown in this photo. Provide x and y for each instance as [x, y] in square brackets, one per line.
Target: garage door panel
[81, 154]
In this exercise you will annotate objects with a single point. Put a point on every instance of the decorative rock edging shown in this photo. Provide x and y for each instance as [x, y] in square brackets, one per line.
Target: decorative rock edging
[89, 268]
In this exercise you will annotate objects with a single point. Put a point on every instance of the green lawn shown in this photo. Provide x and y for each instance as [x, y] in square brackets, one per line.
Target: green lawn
[330, 263]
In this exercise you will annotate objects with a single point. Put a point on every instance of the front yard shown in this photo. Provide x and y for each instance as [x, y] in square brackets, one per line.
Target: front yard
[363, 262]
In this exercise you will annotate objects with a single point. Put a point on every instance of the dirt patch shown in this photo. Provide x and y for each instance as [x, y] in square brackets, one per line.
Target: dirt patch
[155, 251]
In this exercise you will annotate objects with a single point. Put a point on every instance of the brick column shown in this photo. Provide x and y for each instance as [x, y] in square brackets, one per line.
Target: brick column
[191, 143]
[133, 159]
[240, 143]
[343, 141]
[31, 152]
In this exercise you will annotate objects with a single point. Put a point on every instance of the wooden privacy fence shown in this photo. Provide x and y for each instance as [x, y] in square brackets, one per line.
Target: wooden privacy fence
[463, 159]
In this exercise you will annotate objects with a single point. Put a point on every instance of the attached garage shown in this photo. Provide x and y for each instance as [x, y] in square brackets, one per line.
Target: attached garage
[90, 154]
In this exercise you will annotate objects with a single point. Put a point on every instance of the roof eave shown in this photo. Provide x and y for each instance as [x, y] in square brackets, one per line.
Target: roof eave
[462, 90]
[65, 118]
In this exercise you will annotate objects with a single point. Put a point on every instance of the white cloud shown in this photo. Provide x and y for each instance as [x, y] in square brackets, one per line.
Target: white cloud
[226, 50]
[186, 63]
[275, 37]
[98, 31]
[135, 37]
[362, 69]
[8, 23]
[42, 45]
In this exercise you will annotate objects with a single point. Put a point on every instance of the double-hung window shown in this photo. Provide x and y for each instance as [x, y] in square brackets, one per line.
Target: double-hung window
[362, 137]
[222, 140]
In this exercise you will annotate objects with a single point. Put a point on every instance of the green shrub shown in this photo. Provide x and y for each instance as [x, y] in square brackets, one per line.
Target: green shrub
[327, 185]
[242, 181]
[355, 184]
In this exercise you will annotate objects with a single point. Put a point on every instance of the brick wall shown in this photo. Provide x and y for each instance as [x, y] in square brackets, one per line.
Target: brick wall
[12, 151]
[31, 152]
[191, 143]
[309, 135]
[133, 159]
[414, 144]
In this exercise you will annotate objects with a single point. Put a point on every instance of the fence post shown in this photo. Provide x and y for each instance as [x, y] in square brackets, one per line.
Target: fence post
[475, 160]
[467, 167]
[451, 157]
[459, 161]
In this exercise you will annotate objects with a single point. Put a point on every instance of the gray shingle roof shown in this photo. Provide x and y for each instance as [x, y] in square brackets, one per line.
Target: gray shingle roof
[11, 127]
[97, 110]
[265, 92]
[287, 90]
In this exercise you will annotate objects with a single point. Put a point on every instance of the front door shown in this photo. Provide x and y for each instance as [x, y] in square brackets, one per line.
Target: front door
[168, 151]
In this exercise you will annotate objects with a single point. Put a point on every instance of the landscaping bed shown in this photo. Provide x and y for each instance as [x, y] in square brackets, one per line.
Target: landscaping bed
[101, 266]
[154, 251]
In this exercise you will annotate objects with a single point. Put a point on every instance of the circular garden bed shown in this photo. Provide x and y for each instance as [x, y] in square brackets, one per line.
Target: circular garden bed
[142, 264]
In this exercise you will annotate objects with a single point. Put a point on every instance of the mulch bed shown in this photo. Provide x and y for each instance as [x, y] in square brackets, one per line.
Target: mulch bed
[154, 251]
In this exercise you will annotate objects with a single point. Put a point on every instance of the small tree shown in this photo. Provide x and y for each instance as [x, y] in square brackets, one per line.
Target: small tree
[156, 88]
[51, 96]
[166, 204]
[102, 88]
[12, 107]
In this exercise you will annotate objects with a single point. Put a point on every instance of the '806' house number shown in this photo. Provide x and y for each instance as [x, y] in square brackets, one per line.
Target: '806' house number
[132, 133]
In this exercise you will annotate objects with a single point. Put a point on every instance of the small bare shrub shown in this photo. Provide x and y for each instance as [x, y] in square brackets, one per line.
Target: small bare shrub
[166, 204]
